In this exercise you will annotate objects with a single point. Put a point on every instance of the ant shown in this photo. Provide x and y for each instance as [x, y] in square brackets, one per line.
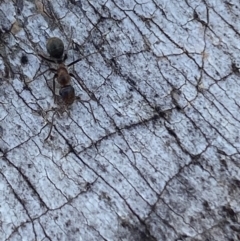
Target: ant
[55, 48]
[57, 55]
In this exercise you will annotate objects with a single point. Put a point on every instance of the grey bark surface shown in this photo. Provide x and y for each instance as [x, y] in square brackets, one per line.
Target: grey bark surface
[149, 150]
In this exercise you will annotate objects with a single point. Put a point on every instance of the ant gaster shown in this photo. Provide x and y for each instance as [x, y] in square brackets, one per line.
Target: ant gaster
[55, 48]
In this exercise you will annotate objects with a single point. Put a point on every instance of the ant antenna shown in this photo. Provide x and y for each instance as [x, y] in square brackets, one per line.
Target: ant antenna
[69, 40]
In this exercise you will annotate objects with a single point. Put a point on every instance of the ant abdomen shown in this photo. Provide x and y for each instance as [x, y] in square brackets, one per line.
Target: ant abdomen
[68, 94]
[55, 47]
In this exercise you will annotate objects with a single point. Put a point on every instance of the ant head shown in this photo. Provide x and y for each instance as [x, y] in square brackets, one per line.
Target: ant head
[55, 47]
[68, 94]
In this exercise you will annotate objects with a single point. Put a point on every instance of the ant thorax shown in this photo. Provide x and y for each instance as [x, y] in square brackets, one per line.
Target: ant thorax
[63, 76]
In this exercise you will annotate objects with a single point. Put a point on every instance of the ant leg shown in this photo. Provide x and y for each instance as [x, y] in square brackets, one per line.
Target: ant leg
[84, 87]
[75, 61]
[50, 69]
[49, 133]
[54, 87]
[91, 95]
[48, 59]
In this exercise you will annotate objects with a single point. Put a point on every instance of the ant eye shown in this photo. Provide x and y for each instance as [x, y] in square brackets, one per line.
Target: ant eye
[24, 59]
[55, 47]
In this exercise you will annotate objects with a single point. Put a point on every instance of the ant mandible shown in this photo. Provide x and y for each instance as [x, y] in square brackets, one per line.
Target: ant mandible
[55, 48]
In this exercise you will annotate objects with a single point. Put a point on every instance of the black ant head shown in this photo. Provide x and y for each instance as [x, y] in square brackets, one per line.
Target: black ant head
[55, 47]
[68, 94]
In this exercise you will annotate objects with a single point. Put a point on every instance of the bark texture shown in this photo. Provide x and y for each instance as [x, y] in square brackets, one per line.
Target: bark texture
[149, 150]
